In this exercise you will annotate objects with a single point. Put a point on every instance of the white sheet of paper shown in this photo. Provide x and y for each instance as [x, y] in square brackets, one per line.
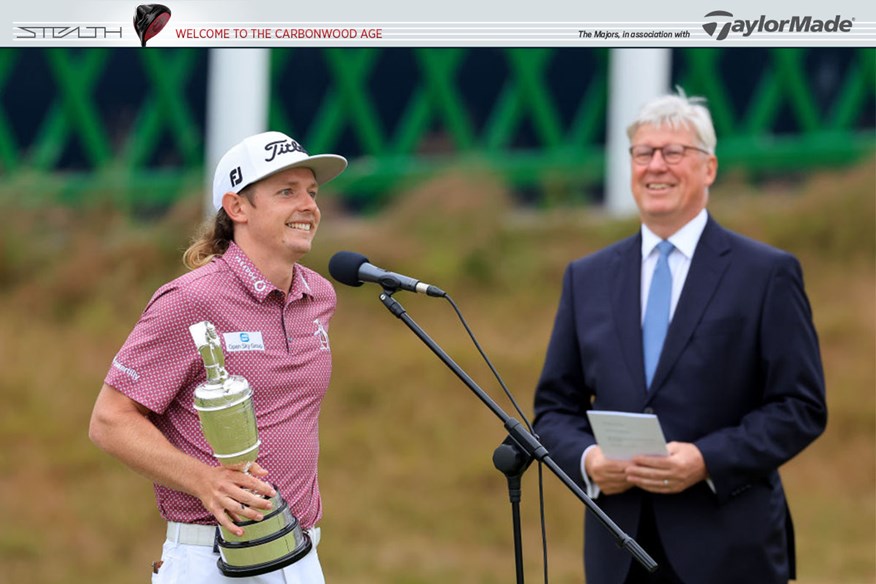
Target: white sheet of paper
[623, 435]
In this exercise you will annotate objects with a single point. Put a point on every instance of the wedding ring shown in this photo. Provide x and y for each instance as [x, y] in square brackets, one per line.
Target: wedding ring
[665, 482]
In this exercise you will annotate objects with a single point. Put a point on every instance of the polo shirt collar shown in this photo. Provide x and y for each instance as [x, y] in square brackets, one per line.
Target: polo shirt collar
[256, 283]
[300, 287]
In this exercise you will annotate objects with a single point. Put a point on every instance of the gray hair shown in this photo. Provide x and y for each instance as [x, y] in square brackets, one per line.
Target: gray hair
[678, 111]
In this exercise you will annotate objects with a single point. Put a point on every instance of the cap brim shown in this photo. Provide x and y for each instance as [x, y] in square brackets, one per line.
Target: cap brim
[325, 167]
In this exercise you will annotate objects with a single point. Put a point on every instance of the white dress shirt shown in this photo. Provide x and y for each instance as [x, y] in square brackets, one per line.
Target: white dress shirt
[685, 241]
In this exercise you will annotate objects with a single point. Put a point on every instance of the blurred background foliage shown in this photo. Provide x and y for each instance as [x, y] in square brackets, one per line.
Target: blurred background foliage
[409, 489]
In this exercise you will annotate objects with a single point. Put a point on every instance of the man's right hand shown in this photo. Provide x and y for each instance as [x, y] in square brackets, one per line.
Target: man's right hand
[609, 475]
[232, 495]
[121, 426]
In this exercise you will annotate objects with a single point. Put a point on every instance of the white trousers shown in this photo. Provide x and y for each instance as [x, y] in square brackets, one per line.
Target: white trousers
[196, 564]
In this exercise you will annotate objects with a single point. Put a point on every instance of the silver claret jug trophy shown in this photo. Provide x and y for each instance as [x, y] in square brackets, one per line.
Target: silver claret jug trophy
[225, 409]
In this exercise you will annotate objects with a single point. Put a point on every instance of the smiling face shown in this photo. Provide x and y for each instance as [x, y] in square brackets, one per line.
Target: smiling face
[278, 220]
[670, 195]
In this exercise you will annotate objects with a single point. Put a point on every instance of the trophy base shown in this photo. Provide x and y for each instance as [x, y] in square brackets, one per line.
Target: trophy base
[274, 543]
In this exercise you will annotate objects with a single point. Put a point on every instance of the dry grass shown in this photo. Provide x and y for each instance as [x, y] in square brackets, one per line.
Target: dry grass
[410, 492]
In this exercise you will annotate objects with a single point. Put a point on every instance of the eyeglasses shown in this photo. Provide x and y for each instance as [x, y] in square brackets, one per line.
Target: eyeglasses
[671, 153]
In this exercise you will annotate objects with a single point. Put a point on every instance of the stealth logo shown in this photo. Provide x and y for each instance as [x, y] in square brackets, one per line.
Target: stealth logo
[64, 32]
[805, 24]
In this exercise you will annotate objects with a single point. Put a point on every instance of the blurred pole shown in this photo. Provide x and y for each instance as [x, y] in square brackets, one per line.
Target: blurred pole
[238, 92]
[635, 76]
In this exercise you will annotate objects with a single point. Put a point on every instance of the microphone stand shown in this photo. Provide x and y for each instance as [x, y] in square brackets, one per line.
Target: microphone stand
[511, 461]
[524, 440]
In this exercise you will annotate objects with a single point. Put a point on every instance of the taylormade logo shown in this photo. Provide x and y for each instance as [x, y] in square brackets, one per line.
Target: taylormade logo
[763, 24]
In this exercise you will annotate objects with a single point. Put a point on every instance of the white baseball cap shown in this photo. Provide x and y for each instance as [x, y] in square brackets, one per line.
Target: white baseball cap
[264, 154]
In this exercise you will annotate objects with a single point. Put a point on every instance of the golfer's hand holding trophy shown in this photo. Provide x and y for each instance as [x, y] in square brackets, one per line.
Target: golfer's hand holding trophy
[225, 409]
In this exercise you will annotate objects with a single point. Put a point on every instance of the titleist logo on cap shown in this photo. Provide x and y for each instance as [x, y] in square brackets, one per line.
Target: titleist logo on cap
[262, 155]
[282, 147]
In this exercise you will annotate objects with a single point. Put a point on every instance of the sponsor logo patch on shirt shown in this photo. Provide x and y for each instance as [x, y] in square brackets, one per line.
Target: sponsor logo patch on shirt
[322, 335]
[126, 370]
[244, 341]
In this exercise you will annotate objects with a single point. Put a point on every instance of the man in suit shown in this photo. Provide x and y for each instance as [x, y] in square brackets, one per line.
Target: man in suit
[713, 333]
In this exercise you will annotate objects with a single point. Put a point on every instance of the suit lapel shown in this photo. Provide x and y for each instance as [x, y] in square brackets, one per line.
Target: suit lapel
[627, 307]
[707, 267]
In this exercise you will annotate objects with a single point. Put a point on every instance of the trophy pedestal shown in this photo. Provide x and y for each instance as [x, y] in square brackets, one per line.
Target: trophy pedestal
[267, 545]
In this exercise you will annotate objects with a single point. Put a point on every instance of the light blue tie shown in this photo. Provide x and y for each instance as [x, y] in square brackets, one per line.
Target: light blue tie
[657, 311]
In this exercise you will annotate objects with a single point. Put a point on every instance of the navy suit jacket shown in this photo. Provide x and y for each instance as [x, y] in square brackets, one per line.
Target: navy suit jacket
[740, 376]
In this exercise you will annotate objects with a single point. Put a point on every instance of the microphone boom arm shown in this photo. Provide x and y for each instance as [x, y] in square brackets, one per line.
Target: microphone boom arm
[524, 439]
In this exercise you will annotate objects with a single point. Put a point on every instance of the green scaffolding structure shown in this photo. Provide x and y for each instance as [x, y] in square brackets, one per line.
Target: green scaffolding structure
[73, 137]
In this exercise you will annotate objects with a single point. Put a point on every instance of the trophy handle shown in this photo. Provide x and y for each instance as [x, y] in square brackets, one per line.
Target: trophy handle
[209, 347]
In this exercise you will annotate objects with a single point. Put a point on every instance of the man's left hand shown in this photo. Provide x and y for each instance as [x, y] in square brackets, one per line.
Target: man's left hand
[669, 474]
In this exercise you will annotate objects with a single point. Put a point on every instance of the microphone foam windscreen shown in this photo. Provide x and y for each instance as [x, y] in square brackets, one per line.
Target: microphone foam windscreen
[344, 267]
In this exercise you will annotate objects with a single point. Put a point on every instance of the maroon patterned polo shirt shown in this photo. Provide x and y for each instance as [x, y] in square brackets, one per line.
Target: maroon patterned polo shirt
[278, 342]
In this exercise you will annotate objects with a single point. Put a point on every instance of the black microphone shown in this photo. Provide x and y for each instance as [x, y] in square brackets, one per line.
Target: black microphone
[353, 269]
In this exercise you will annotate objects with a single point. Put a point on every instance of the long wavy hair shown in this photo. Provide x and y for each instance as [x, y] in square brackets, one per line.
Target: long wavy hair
[213, 237]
